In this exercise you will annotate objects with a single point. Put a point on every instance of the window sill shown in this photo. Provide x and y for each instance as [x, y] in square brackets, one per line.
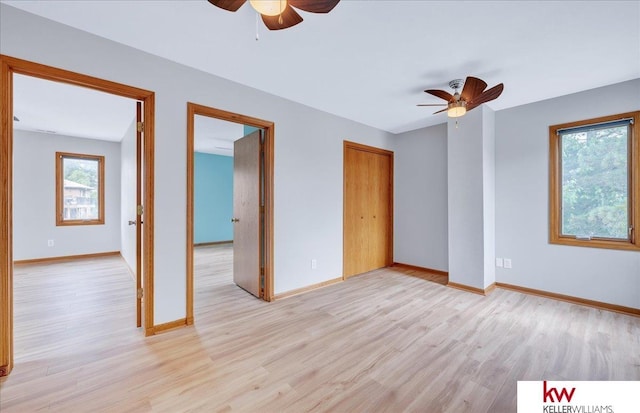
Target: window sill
[596, 243]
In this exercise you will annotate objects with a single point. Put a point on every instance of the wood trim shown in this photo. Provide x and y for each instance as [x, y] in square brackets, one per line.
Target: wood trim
[425, 269]
[306, 289]
[60, 221]
[8, 66]
[471, 289]
[269, 165]
[63, 258]
[204, 244]
[25, 67]
[6, 218]
[367, 148]
[137, 274]
[573, 300]
[269, 145]
[390, 238]
[148, 217]
[191, 113]
[171, 325]
[555, 201]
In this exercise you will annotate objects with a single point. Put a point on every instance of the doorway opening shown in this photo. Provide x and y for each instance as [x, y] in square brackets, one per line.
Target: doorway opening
[72, 205]
[257, 144]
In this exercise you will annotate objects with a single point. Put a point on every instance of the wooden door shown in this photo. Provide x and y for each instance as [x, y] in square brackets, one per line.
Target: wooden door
[246, 212]
[139, 129]
[368, 209]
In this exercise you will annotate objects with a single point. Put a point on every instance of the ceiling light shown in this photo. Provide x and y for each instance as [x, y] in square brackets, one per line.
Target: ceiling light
[279, 14]
[457, 109]
[269, 7]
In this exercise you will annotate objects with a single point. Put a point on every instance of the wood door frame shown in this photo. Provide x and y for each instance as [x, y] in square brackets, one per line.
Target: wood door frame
[194, 109]
[9, 66]
[139, 201]
[378, 151]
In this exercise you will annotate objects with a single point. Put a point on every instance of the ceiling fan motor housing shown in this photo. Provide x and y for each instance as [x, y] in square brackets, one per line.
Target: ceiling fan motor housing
[456, 84]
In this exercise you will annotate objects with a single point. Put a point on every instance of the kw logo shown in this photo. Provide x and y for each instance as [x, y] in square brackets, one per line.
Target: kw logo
[548, 394]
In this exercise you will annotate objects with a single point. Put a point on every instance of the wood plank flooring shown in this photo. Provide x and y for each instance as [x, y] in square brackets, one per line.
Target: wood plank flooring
[389, 341]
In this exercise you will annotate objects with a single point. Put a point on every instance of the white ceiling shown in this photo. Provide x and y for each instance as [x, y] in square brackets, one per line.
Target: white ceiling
[369, 61]
[62, 109]
[216, 136]
[51, 107]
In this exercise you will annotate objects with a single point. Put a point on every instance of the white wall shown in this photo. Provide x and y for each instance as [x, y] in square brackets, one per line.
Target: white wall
[128, 195]
[466, 178]
[489, 194]
[522, 198]
[308, 151]
[420, 210]
[34, 208]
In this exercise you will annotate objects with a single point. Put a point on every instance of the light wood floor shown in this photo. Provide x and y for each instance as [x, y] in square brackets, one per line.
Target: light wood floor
[387, 341]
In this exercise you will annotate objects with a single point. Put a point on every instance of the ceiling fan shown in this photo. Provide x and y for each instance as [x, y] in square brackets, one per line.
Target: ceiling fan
[473, 95]
[279, 14]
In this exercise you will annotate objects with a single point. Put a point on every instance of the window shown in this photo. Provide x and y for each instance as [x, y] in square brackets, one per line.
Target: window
[595, 182]
[79, 189]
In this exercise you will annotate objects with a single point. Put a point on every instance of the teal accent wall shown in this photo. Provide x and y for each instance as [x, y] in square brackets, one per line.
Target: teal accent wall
[213, 198]
[249, 129]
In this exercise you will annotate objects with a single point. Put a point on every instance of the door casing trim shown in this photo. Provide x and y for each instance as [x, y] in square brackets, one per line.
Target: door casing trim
[269, 134]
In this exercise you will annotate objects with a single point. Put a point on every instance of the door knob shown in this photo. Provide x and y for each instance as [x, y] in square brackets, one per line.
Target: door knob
[235, 220]
[132, 222]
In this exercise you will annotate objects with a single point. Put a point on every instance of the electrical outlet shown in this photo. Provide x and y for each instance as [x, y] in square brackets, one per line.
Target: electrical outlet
[507, 263]
[50, 243]
[499, 262]
[314, 264]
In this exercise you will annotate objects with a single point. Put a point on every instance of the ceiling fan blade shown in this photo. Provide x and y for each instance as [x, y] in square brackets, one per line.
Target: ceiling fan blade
[441, 94]
[486, 96]
[440, 111]
[314, 6]
[231, 5]
[472, 87]
[289, 18]
[431, 104]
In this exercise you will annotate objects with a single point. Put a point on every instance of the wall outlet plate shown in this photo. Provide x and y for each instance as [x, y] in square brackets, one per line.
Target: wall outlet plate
[499, 262]
[507, 263]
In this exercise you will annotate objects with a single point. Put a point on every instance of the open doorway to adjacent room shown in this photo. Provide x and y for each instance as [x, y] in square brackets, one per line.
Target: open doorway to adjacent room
[78, 178]
[229, 207]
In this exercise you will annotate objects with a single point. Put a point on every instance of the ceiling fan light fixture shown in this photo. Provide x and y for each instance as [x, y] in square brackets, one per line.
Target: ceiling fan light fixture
[457, 109]
[269, 7]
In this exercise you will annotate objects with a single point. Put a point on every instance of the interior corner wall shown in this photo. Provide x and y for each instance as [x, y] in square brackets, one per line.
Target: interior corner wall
[34, 195]
[213, 198]
[466, 199]
[308, 207]
[128, 188]
[420, 199]
[522, 203]
[489, 194]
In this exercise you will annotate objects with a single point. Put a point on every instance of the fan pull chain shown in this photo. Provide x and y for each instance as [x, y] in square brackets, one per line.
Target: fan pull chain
[257, 26]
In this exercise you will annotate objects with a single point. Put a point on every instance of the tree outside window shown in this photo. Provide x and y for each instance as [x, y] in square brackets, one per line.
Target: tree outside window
[594, 188]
